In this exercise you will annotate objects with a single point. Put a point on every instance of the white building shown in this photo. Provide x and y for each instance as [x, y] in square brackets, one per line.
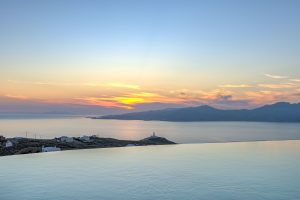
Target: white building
[66, 139]
[152, 136]
[130, 145]
[50, 149]
[8, 144]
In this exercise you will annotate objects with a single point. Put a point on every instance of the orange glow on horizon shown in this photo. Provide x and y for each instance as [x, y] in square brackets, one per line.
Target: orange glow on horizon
[128, 96]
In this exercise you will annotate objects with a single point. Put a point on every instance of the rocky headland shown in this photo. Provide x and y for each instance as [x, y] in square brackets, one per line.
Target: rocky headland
[19, 145]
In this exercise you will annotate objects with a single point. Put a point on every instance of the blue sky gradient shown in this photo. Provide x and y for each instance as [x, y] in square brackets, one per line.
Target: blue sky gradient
[173, 45]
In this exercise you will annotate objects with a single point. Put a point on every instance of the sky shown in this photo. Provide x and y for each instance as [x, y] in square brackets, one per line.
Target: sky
[139, 55]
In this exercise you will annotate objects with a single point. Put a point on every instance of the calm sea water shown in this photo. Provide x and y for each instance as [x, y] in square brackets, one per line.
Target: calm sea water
[181, 132]
[220, 171]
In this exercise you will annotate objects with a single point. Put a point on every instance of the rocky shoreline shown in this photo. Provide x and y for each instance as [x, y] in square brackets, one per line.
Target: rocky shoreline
[17, 145]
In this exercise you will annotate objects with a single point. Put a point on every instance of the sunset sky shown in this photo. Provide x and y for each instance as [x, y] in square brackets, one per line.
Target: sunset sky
[149, 54]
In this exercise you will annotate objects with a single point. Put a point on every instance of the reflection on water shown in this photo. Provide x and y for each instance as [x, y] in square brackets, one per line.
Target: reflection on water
[253, 170]
[182, 132]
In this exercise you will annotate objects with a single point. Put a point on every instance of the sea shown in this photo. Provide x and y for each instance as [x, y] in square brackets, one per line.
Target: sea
[51, 126]
[268, 170]
[212, 160]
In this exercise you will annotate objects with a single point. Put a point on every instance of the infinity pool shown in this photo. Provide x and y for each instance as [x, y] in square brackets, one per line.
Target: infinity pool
[242, 170]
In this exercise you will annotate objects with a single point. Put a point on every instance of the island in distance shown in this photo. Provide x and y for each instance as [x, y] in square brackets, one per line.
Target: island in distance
[278, 112]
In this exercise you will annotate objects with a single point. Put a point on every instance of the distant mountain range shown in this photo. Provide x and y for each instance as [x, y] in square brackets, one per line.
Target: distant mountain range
[278, 112]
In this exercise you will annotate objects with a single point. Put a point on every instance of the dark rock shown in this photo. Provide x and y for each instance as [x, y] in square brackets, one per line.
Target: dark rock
[157, 141]
[28, 145]
[28, 150]
[2, 139]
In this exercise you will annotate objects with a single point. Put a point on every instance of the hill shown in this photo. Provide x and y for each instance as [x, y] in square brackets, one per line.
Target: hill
[278, 112]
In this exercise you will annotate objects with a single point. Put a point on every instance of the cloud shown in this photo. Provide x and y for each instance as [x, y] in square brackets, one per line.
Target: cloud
[13, 105]
[41, 83]
[229, 102]
[219, 98]
[295, 80]
[146, 94]
[99, 101]
[276, 76]
[225, 97]
[115, 95]
[277, 86]
[127, 101]
[270, 96]
[16, 96]
[235, 86]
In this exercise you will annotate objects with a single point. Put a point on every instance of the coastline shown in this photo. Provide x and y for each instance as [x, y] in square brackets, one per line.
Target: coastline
[112, 143]
[19, 145]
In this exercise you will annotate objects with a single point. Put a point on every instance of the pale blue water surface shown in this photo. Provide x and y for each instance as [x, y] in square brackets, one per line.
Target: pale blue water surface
[50, 126]
[218, 171]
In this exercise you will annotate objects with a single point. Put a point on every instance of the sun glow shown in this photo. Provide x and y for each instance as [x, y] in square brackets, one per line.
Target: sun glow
[129, 100]
[130, 96]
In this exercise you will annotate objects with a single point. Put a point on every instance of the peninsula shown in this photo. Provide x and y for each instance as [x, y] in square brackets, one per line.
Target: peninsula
[18, 145]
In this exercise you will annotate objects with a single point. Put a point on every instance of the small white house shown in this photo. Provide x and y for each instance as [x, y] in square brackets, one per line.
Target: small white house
[66, 139]
[8, 144]
[50, 149]
[130, 145]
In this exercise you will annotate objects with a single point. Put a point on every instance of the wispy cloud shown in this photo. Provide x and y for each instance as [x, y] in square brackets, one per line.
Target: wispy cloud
[41, 83]
[13, 81]
[275, 76]
[235, 86]
[127, 101]
[16, 96]
[130, 96]
[87, 84]
[295, 80]
[277, 86]
[105, 102]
